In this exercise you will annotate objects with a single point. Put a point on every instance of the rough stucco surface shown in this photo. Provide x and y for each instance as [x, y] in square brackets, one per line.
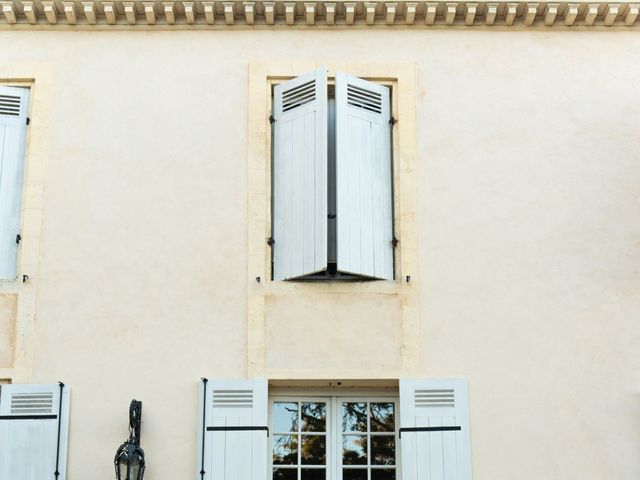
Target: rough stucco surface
[528, 149]
[7, 329]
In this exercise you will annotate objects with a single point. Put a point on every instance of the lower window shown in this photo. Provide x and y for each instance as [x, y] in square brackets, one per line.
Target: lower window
[334, 438]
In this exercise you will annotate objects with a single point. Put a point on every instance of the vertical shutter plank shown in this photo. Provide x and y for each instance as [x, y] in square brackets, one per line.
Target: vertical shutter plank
[363, 170]
[300, 176]
[12, 148]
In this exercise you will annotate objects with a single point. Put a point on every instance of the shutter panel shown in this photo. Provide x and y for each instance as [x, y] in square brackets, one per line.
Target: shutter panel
[436, 454]
[300, 176]
[235, 454]
[29, 416]
[13, 128]
[363, 169]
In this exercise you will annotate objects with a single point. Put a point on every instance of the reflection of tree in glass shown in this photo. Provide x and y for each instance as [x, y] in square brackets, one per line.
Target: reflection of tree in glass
[354, 417]
[285, 474]
[285, 450]
[382, 417]
[314, 417]
[313, 450]
[355, 450]
[383, 451]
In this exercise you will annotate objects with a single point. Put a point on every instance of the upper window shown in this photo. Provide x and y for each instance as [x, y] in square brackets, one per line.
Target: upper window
[13, 127]
[332, 205]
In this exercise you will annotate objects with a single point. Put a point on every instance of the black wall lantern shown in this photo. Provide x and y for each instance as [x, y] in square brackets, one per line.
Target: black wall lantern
[129, 459]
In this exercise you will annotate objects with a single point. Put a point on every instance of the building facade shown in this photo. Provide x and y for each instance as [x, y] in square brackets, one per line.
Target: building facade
[350, 218]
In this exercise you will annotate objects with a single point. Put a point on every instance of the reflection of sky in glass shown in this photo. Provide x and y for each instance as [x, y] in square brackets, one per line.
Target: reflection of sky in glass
[314, 417]
[354, 417]
[383, 474]
[285, 417]
[285, 449]
[314, 449]
[382, 417]
[383, 450]
[354, 449]
[351, 474]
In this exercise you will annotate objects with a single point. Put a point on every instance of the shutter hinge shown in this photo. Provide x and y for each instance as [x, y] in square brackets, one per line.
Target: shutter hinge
[271, 119]
[18, 238]
[331, 215]
[28, 120]
[270, 241]
[395, 242]
[392, 121]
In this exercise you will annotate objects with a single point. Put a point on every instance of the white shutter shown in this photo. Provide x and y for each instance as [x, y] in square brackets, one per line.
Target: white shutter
[363, 170]
[13, 127]
[300, 176]
[236, 441]
[443, 451]
[30, 416]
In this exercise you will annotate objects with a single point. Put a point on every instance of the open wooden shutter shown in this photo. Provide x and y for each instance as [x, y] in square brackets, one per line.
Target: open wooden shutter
[363, 170]
[13, 127]
[300, 176]
[434, 422]
[31, 418]
[236, 439]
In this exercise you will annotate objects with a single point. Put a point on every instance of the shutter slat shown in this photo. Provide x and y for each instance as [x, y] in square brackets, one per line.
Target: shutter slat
[13, 114]
[300, 176]
[363, 170]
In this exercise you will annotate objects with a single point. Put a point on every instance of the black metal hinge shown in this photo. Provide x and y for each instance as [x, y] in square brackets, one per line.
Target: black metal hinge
[18, 238]
[271, 119]
[28, 120]
[392, 121]
[270, 241]
[428, 429]
[395, 242]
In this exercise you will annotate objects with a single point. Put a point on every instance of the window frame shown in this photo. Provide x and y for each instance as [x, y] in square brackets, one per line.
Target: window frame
[334, 426]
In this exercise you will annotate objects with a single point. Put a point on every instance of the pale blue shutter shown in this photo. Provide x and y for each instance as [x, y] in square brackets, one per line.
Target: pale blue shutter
[300, 176]
[13, 127]
[236, 441]
[363, 176]
[30, 416]
[434, 423]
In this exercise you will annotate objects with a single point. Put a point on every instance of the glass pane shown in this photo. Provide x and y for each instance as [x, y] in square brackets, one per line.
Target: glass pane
[354, 474]
[383, 474]
[354, 417]
[314, 417]
[285, 474]
[382, 417]
[285, 449]
[313, 474]
[285, 417]
[383, 450]
[313, 450]
[354, 449]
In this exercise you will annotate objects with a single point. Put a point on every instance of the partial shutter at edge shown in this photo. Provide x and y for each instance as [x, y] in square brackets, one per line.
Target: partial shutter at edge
[443, 451]
[300, 176]
[363, 171]
[31, 418]
[236, 441]
[14, 104]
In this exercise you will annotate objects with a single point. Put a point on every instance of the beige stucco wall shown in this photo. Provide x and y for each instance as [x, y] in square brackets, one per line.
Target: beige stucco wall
[528, 181]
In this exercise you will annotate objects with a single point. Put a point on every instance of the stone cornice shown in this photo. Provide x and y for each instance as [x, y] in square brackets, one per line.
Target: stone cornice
[20, 14]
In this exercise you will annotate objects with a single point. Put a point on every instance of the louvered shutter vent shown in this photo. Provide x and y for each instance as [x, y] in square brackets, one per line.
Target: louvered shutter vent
[32, 403]
[363, 178]
[234, 435]
[300, 176]
[13, 127]
[434, 423]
